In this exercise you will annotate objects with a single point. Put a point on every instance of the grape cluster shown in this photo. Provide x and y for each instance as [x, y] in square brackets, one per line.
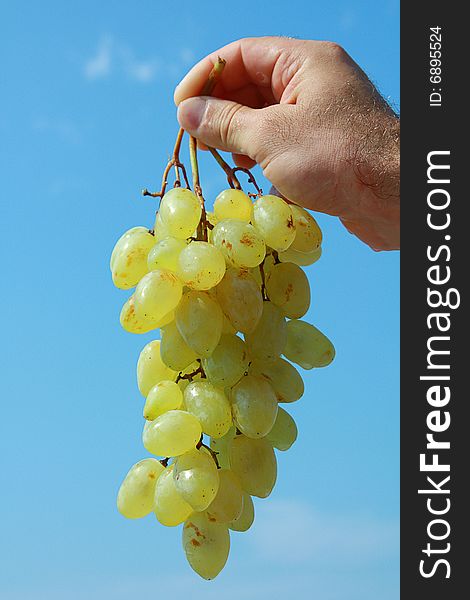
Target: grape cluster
[227, 292]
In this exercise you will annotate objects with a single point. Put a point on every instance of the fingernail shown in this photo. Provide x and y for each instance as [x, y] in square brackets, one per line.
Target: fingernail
[191, 113]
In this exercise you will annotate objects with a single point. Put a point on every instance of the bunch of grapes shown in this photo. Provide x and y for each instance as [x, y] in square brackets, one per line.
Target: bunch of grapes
[227, 292]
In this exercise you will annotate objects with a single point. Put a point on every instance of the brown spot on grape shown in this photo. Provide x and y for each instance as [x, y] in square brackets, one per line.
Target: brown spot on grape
[167, 275]
[289, 290]
[211, 518]
[195, 542]
[197, 531]
[246, 240]
[290, 222]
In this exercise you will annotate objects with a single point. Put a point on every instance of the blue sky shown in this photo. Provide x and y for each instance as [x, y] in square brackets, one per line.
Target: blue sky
[86, 121]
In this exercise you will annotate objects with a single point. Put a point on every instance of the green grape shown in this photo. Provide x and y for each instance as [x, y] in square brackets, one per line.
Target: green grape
[129, 258]
[123, 242]
[211, 407]
[227, 327]
[240, 243]
[273, 218]
[308, 236]
[151, 369]
[199, 320]
[210, 216]
[254, 406]
[255, 464]
[245, 520]
[284, 378]
[307, 346]
[222, 447]
[240, 298]
[299, 258]
[228, 361]
[194, 366]
[174, 351]
[196, 478]
[134, 324]
[180, 212]
[284, 432]
[135, 496]
[157, 293]
[172, 433]
[183, 384]
[228, 503]
[169, 506]
[287, 287]
[233, 204]
[268, 263]
[201, 266]
[268, 338]
[162, 397]
[256, 274]
[165, 254]
[206, 545]
[161, 231]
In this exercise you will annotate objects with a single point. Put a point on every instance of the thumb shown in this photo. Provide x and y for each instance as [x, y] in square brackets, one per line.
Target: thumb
[221, 124]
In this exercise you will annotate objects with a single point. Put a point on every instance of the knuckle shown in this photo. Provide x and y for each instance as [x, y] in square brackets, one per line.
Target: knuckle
[229, 124]
[333, 49]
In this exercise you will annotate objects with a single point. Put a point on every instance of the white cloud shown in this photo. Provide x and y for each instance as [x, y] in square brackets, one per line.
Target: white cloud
[99, 65]
[142, 70]
[113, 56]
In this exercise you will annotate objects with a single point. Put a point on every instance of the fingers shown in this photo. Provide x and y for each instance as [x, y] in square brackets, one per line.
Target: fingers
[249, 95]
[220, 123]
[241, 160]
[250, 62]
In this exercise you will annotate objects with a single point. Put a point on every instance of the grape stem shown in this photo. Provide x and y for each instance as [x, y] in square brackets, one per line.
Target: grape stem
[232, 179]
[189, 376]
[251, 179]
[213, 77]
[173, 162]
[263, 281]
[207, 90]
[202, 227]
[213, 453]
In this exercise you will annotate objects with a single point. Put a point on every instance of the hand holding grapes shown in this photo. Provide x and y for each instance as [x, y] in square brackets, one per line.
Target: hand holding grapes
[310, 117]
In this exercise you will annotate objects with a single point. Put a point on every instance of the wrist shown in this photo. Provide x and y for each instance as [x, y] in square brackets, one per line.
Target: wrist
[373, 180]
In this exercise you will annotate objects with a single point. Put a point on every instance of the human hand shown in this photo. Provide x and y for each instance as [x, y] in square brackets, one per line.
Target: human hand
[309, 116]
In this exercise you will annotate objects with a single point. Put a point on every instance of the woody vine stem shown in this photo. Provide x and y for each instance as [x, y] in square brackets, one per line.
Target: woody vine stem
[180, 169]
